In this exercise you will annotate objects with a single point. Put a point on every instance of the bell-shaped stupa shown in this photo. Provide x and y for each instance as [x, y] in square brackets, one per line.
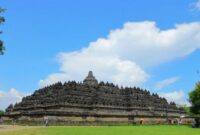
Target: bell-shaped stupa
[90, 79]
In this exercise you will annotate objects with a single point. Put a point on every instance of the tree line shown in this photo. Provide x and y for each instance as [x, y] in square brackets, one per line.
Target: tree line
[2, 20]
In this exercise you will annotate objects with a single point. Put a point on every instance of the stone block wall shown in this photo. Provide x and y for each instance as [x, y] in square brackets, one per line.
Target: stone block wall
[90, 120]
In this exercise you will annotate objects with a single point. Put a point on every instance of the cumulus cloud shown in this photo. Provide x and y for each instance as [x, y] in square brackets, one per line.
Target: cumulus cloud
[53, 78]
[176, 96]
[164, 83]
[123, 56]
[10, 97]
[197, 5]
[77, 65]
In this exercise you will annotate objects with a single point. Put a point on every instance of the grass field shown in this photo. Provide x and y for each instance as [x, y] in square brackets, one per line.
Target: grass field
[104, 130]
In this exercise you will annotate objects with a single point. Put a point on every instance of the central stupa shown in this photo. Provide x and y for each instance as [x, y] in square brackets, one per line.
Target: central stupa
[90, 79]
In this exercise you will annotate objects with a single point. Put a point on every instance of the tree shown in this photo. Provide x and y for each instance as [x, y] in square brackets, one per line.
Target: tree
[2, 20]
[194, 98]
[1, 112]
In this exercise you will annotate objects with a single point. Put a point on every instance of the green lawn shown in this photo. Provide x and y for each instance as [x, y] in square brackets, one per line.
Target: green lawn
[107, 130]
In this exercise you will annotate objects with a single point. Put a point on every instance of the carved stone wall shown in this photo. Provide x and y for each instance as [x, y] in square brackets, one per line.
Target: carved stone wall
[93, 99]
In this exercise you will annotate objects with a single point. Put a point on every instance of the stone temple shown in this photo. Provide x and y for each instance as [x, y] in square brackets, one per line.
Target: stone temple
[92, 103]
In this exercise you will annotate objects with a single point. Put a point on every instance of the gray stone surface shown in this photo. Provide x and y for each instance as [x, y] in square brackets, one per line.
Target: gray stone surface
[91, 98]
[90, 80]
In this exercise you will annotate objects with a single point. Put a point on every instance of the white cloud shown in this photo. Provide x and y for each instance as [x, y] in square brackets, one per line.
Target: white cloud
[10, 97]
[176, 96]
[53, 78]
[125, 53]
[76, 66]
[164, 83]
[197, 5]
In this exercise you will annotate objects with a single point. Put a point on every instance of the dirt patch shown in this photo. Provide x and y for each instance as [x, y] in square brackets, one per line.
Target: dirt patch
[5, 128]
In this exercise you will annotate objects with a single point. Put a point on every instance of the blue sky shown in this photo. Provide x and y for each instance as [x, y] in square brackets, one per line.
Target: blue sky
[45, 39]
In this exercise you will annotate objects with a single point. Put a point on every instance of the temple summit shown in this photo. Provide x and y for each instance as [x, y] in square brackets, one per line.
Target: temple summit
[93, 103]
